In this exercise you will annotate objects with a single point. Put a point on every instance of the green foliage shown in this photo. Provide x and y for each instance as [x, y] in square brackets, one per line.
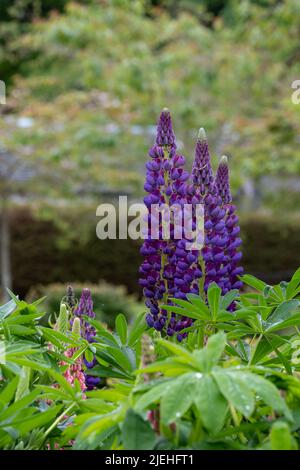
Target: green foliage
[232, 384]
[137, 432]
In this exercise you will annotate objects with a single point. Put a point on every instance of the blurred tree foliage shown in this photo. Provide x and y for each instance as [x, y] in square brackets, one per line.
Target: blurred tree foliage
[15, 19]
[93, 78]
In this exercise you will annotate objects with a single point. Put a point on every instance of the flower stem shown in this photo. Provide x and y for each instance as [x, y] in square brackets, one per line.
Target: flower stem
[60, 417]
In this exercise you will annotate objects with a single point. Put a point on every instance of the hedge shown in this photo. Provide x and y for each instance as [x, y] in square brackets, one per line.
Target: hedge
[271, 248]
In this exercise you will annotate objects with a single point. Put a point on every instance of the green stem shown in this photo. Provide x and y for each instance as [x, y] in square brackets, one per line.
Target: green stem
[236, 422]
[202, 279]
[61, 416]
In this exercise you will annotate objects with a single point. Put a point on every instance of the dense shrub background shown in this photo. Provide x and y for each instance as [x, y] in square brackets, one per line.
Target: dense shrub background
[271, 251]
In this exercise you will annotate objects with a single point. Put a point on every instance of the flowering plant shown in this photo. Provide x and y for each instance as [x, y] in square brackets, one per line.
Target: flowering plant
[171, 269]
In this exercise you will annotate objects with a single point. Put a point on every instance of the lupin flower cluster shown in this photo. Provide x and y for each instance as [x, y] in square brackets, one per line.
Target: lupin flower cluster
[169, 269]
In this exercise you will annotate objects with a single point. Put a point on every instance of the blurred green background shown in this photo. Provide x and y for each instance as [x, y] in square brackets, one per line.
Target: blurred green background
[85, 84]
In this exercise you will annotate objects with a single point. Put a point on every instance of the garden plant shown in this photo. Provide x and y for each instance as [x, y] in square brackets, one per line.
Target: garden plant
[213, 361]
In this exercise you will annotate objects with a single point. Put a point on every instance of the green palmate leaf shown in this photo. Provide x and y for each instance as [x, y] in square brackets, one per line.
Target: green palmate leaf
[12, 411]
[153, 395]
[64, 384]
[191, 312]
[214, 297]
[236, 391]
[58, 339]
[121, 358]
[109, 395]
[7, 394]
[21, 348]
[106, 372]
[23, 319]
[283, 311]
[121, 327]
[52, 393]
[100, 424]
[240, 331]
[24, 381]
[252, 281]
[211, 404]
[103, 335]
[88, 355]
[194, 306]
[137, 433]
[268, 392]
[228, 299]
[96, 405]
[208, 357]
[136, 330]
[14, 297]
[199, 303]
[296, 275]
[294, 320]
[35, 421]
[7, 309]
[177, 350]
[19, 330]
[169, 367]
[264, 348]
[179, 398]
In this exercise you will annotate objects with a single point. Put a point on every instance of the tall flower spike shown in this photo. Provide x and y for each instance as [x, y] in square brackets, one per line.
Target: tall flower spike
[165, 134]
[165, 271]
[233, 255]
[212, 255]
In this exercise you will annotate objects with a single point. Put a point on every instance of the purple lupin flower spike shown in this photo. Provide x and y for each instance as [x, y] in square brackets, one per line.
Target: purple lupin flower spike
[233, 255]
[85, 308]
[165, 134]
[165, 272]
[211, 257]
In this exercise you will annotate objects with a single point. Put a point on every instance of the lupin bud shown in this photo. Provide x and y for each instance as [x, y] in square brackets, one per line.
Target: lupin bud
[202, 134]
[76, 328]
[62, 321]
